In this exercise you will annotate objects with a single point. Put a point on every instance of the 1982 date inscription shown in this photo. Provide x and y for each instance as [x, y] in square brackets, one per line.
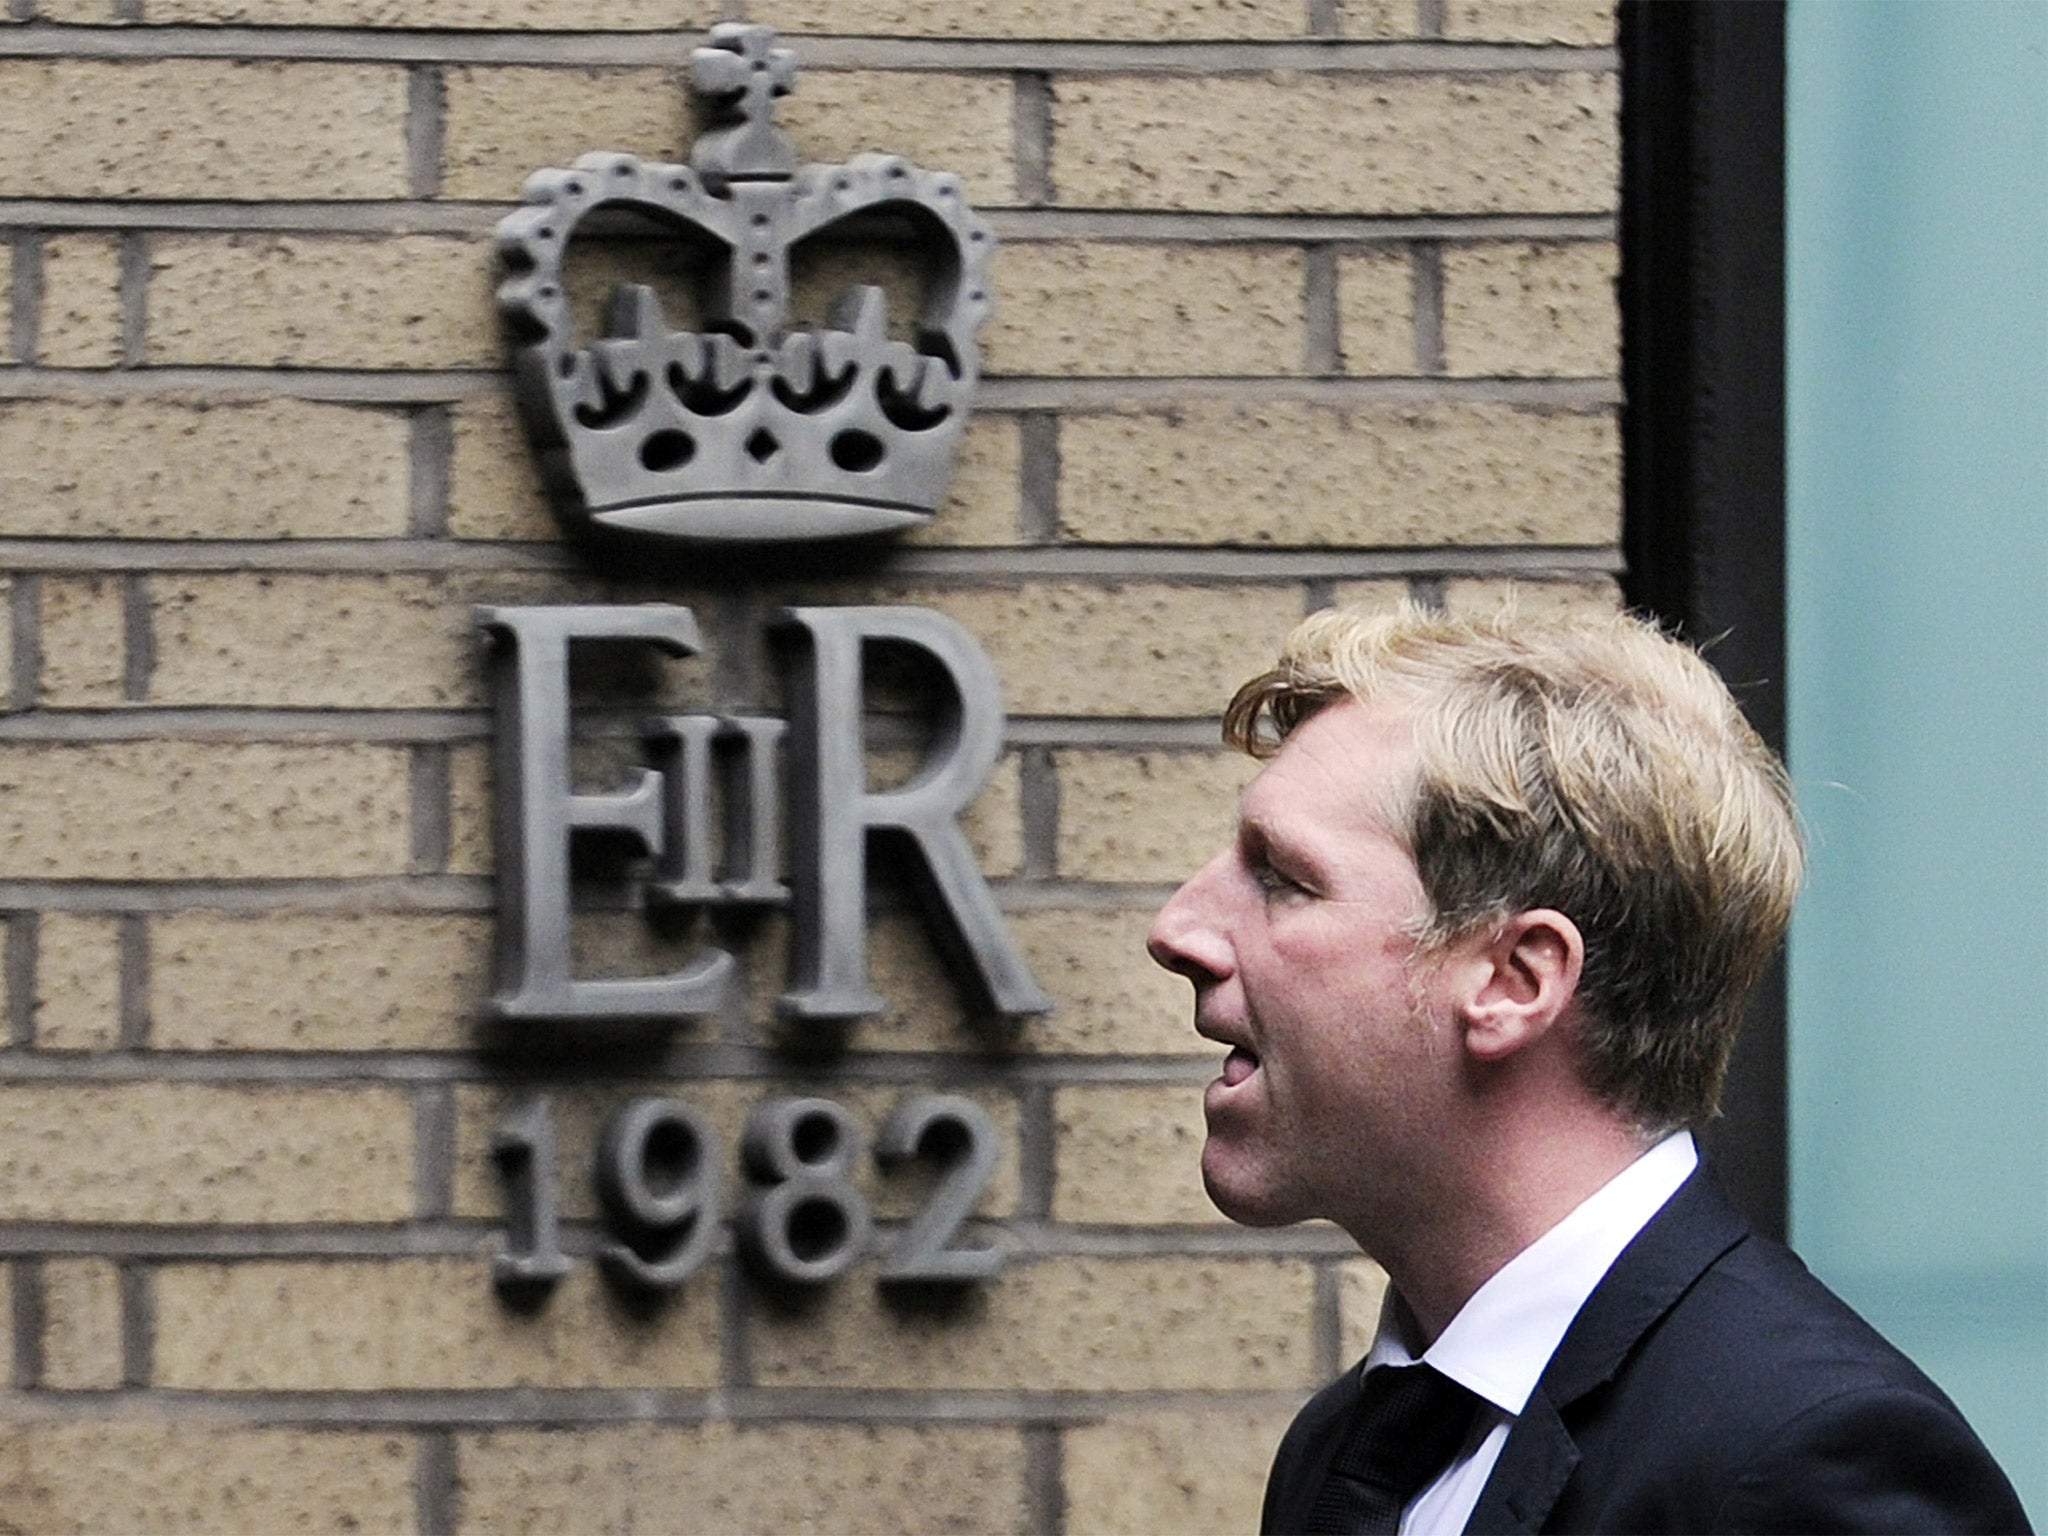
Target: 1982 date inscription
[800, 1220]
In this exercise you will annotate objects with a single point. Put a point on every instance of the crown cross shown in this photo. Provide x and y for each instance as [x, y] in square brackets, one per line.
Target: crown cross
[740, 75]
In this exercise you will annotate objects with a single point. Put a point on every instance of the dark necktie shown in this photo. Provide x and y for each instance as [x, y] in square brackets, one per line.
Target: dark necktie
[1407, 1424]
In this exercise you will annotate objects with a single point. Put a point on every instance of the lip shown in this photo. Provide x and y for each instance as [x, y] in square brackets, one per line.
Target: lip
[1239, 1067]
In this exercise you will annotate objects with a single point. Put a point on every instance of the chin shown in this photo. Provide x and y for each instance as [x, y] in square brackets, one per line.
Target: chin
[1245, 1202]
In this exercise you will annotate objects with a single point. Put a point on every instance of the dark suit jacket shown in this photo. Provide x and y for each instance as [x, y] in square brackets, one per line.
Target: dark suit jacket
[1709, 1383]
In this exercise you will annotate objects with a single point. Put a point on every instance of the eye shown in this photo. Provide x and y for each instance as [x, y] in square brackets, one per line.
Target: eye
[1273, 881]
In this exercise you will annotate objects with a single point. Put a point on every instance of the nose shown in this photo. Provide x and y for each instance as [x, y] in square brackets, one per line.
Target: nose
[1186, 936]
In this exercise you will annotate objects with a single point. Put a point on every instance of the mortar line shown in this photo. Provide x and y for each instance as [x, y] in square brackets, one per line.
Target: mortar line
[134, 285]
[817, 55]
[21, 978]
[1045, 1480]
[735, 1342]
[455, 217]
[437, 1486]
[138, 1324]
[1429, 18]
[1031, 129]
[1426, 293]
[1037, 1150]
[425, 120]
[1038, 477]
[134, 940]
[433, 1122]
[138, 646]
[430, 453]
[1038, 812]
[1324, 18]
[28, 296]
[28, 1322]
[25, 623]
[428, 786]
[1326, 1321]
[1322, 340]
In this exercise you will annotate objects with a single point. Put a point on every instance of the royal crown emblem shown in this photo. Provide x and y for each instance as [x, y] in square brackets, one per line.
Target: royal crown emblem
[748, 429]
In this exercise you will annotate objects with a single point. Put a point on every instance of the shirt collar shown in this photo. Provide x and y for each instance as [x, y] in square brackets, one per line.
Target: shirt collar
[1504, 1336]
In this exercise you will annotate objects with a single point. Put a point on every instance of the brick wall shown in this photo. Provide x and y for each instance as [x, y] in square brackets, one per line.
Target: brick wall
[1299, 301]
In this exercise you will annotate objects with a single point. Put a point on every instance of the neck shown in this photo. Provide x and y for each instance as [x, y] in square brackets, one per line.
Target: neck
[1502, 1197]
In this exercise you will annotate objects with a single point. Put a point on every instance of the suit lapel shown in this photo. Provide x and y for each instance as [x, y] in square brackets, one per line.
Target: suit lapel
[1696, 1226]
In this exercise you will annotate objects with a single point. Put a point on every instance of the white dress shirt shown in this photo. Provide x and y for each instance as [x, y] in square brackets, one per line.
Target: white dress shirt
[1504, 1336]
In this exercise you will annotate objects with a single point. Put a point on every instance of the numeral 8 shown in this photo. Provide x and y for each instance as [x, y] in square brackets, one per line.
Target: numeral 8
[805, 1222]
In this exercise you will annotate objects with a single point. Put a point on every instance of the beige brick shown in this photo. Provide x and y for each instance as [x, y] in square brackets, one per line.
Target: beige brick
[81, 320]
[1296, 474]
[579, 1111]
[345, 981]
[319, 301]
[1590, 594]
[178, 810]
[494, 488]
[180, 1153]
[984, 505]
[1058, 1325]
[493, 15]
[1130, 1155]
[1146, 816]
[202, 128]
[956, 123]
[1376, 313]
[1085, 20]
[314, 642]
[746, 1478]
[185, 1477]
[81, 1325]
[80, 13]
[1519, 309]
[161, 469]
[1195, 1474]
[1397, 144]
[1377, 20]
[1361, 1287]
[1138, 649]
[1111, 308]
[1380, 595]
[78, 982]
[471, 805]
[83, 621]
[420, 1324]
[1108, 998]
[1582, 23]
[503, 124]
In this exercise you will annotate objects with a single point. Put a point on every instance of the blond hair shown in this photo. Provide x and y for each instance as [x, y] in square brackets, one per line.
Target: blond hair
[1592, 765]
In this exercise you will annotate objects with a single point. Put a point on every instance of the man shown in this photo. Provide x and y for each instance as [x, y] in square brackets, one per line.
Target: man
[1479, 951]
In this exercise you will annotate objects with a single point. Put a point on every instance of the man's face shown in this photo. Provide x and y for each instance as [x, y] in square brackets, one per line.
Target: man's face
[1296, 938]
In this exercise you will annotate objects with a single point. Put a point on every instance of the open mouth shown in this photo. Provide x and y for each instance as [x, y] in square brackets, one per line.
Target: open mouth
[1238, 1065]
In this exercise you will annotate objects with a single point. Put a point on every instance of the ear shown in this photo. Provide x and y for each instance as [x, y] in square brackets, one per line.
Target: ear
[1516, 980]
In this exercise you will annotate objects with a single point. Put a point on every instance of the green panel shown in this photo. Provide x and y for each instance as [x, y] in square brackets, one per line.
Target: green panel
[1917, 144]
